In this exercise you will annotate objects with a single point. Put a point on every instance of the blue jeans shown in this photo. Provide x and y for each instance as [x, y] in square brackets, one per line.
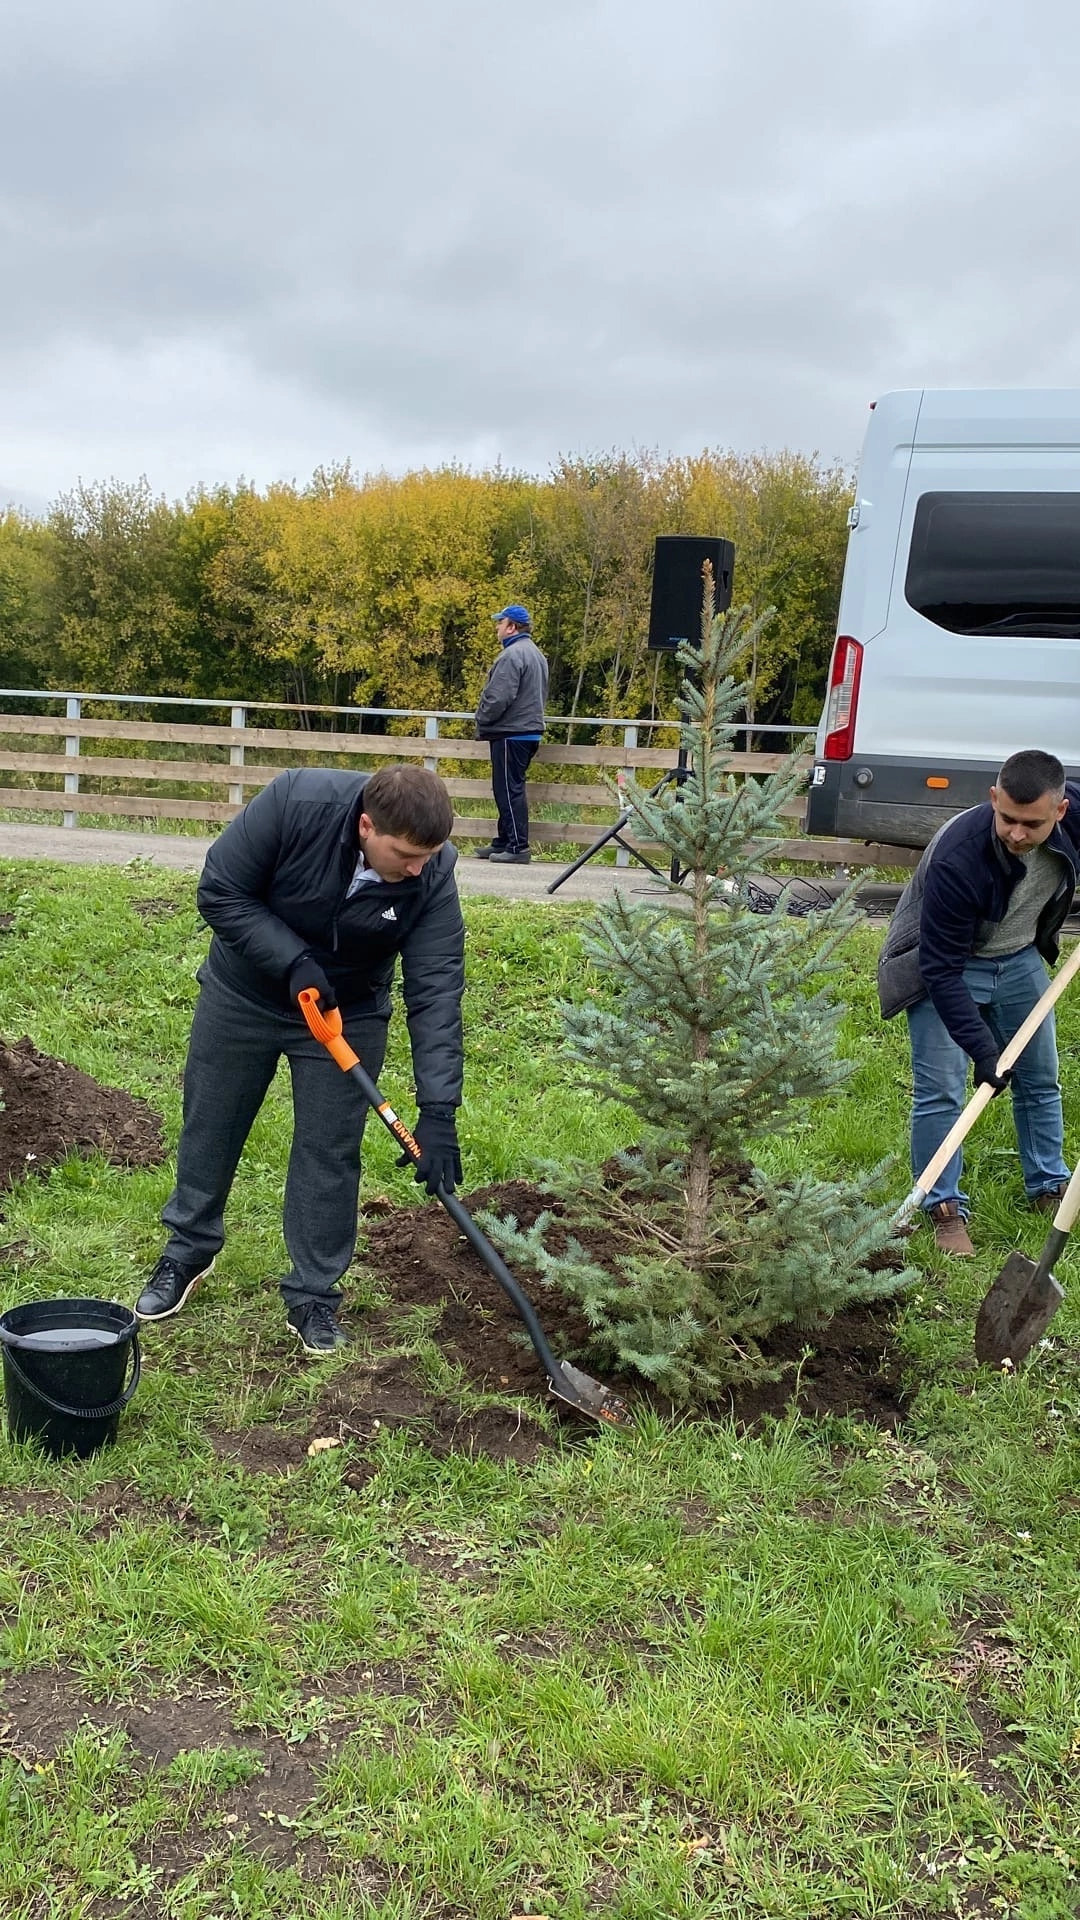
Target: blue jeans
[1005, 990]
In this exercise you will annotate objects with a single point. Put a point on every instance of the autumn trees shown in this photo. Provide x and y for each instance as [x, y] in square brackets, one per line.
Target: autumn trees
[378, 590]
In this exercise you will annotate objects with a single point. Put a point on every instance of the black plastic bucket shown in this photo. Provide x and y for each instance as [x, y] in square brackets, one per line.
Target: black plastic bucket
[64, 1373]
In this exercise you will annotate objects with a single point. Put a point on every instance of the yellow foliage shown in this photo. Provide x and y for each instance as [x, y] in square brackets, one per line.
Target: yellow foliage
[378, 590]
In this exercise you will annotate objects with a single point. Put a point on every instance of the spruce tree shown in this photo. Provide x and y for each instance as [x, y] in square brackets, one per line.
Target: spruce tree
[721, 1029]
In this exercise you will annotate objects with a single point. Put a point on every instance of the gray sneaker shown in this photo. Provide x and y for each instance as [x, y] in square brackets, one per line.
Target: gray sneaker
[316, 1328]
[170, 1285]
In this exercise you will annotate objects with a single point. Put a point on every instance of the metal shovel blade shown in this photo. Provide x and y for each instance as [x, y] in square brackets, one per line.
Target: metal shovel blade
[567, 1383]
[585, 1395]
[1016, 1312]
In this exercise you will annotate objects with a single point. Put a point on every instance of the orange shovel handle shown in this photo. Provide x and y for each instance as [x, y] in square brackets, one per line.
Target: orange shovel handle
[567, 1383]
[326, 1027]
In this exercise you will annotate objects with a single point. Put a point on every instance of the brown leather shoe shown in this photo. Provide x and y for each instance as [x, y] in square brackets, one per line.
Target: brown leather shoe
[1050, 1202]
[950, 1230]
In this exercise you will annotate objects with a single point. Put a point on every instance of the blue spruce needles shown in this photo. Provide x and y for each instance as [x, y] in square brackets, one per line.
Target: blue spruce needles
[720, 1031]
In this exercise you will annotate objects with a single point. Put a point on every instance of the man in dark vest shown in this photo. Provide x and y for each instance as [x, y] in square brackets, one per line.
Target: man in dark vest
[964, 959]
[324, 880]
[510, 717]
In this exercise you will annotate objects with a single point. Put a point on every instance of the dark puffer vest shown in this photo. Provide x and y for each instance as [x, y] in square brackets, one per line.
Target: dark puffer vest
[960, 888]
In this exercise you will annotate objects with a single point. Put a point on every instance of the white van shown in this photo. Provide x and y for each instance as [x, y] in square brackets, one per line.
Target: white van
[958, 641]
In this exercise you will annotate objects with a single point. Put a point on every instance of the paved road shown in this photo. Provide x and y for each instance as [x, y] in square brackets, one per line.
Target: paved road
[90, 846]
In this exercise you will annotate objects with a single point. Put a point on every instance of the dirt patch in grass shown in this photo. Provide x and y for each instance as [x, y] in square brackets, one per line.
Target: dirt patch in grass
[377, 1395]
[155, 909]
[853, 1365]
[51, 1109]
[387, 1392]
[255, 1789]
[42, 1709]
[272, 1450]
[106, 1507]
[36, 1503]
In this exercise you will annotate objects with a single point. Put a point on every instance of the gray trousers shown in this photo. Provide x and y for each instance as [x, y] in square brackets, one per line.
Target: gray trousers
[233, 1053]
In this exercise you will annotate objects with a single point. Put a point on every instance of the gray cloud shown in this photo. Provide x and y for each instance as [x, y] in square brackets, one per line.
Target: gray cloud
[252, 237]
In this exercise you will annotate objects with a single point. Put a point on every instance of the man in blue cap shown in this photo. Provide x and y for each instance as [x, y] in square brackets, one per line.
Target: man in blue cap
[510, 717]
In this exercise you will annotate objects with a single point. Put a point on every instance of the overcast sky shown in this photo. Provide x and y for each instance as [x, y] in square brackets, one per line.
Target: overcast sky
[248, 237]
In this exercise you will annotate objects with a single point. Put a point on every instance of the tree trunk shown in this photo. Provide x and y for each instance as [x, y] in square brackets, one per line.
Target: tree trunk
[699, 1166]
[698, 1193]
[584, 650]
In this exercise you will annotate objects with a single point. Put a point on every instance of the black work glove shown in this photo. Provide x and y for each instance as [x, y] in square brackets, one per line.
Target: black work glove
[307, 972]
[439, 1164]
[986, 1072]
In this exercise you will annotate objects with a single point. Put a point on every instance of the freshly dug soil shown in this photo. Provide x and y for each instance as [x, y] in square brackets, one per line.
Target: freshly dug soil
[854, 1366]
[51, 1109]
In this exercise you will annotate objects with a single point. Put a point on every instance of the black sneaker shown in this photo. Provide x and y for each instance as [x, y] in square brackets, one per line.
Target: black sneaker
[486, 853]
[316, 1328]
[169, 1286]
[507, 859]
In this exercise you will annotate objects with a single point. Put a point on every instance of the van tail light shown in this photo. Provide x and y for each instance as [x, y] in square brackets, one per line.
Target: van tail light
[843, 698]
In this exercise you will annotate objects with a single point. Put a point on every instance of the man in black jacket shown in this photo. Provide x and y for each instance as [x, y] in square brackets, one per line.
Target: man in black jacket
[322, 881]
[964, 959]
[510, 717]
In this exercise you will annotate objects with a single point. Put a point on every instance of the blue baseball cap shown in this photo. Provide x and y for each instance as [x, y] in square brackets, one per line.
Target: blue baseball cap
[520, 616]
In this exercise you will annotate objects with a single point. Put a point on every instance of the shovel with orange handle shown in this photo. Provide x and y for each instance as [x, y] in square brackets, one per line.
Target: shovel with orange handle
[568, 1384]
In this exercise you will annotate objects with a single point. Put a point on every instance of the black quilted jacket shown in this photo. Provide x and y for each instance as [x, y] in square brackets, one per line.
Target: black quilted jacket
[273, 887]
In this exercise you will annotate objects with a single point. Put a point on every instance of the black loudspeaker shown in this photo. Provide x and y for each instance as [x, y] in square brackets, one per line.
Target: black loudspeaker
[677, 586]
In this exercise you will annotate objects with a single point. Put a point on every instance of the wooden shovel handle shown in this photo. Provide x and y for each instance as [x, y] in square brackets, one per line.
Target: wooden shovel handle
[1011, 1053]
[1065, 1217]
[983, 1094]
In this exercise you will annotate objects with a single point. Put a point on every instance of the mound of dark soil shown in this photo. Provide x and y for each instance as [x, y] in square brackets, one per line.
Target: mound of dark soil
[51, 1109]
[854, 1364]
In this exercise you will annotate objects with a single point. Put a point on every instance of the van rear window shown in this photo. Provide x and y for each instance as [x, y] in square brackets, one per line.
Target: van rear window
[997, 562]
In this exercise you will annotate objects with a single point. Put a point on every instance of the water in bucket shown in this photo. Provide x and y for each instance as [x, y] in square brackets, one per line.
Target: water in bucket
[65, 1364]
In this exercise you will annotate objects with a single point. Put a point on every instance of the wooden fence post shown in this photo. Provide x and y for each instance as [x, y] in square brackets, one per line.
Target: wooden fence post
[431, 732]
[629, 739]
[236, 758]
[72, 746]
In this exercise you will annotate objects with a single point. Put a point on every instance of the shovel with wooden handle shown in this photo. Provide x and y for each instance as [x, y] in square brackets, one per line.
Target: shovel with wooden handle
[567, 1383]
[983, 1094]
[1025, 1296]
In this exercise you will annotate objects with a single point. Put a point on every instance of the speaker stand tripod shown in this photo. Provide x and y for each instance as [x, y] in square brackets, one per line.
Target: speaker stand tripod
[676, 774]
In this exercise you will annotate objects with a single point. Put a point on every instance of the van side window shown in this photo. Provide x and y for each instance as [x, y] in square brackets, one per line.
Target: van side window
[1005, 563]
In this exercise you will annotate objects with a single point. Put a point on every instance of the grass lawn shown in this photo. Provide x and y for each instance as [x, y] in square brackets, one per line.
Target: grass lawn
[815, 1670]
